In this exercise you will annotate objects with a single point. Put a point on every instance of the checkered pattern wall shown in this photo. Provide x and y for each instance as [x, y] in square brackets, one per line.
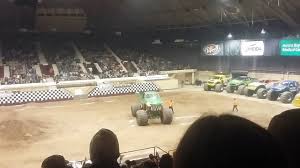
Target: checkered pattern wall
[133, 88]
[35, 96]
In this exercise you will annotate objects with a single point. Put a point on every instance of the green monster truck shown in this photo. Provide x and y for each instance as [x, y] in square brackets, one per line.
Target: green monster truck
[238, 84]
[150, 106]
[217, 83]
[258, 88]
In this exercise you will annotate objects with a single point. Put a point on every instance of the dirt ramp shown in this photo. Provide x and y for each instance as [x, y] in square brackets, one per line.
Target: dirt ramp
[17, 130]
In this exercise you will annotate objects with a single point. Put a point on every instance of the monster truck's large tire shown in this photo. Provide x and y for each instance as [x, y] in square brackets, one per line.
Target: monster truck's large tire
[286, 97]
[261, 93]
[206, 87]
[229, 89]
[166, 116]
[248, 93]
[272, 96]
[134, 109]
[142, 118]
[219, 88]
[241, 89]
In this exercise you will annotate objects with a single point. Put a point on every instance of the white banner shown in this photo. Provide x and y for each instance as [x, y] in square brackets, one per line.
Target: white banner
[252, 48]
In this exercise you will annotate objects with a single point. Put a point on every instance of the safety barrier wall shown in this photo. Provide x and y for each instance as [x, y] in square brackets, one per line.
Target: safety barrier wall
[111, 89]
[44, 92]
[21, 97]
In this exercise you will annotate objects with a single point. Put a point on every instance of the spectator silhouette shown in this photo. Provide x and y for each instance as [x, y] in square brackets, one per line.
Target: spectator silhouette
[104, 150]
[227, 142]
[166, 161]
[285, 128]
[55, 161]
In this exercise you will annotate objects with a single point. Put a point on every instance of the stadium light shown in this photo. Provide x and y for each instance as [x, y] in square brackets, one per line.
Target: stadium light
[229, 36]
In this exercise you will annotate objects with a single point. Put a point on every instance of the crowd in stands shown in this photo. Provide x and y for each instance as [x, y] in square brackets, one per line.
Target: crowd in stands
[147, 63]
[95, 52]
[224, 141]
[62, 54]
[21, 57]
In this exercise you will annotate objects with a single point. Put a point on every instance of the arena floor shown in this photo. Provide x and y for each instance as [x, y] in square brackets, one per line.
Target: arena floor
[29, 133]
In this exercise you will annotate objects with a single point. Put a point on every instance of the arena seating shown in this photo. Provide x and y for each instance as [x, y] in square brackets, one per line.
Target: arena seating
[61, 53]
[1, 72]
[147, 63]
[94, 52]
[47, 70]
[21, 57]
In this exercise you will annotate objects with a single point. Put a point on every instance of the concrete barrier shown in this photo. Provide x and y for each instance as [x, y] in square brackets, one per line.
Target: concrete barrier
[167, 84]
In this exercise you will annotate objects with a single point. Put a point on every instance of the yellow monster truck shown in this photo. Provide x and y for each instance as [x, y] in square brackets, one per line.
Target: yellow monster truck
[216, 83]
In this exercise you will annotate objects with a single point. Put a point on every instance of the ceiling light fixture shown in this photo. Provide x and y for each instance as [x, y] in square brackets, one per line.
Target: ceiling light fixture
[229, 36]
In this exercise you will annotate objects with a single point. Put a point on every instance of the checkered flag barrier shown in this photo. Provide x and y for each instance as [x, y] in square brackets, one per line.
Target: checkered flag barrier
[133, 88]
[35, 96]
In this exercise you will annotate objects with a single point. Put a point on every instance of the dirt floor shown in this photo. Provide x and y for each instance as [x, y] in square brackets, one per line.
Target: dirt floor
[29, 133]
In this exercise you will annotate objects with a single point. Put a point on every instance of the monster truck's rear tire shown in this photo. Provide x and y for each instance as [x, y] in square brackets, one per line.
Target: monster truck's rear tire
[241, 89]
[134, 109]
[219, 88]
[272, 96]
[286, 97]
[248, 92]
[142, 118]
[166, 116]
[206, 87]
[229, 89]
[261, 93]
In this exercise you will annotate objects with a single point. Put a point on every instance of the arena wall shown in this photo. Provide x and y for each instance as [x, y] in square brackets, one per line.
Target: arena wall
[167, 84]
[44, 92]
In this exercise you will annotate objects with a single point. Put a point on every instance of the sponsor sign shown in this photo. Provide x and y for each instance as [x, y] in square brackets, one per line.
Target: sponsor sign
[252, 48]
[290, 47]
[213, 49]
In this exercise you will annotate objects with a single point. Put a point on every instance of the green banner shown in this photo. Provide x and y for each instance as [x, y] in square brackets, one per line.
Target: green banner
[290, 47]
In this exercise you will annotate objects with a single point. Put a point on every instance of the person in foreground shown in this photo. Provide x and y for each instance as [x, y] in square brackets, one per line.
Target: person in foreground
[227, 141]
[285, 128]
[104, 150]
[55, 161]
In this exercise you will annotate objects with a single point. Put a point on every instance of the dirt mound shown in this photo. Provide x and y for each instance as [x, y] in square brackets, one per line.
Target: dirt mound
[16, 130]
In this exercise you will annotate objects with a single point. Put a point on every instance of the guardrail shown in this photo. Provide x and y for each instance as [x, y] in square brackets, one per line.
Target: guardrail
[155, 150]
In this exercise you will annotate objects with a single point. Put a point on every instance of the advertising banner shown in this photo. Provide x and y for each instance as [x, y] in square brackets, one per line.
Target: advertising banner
[252, 48]
[216, 49]
[290, 47]
[233, 48]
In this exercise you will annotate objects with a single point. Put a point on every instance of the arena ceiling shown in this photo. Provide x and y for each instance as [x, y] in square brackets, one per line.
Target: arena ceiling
[166, 14]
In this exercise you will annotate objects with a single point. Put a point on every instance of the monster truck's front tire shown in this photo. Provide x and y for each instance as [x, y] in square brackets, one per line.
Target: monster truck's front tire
[241, 89]
[219, 88]
[166, 116]
[229, 89]
[261, 93]
[142, 118]
[206, 87]
[286, 97]
[248, 92]
[272, 96]
[134, 109]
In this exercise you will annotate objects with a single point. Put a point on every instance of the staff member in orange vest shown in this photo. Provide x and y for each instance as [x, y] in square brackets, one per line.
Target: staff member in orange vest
[170, 104]
[235, 105]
